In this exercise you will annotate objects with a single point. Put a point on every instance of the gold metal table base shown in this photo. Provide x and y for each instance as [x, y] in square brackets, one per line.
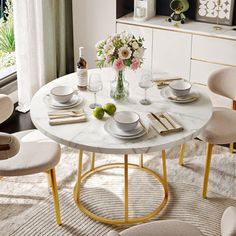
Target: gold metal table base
[125, 165]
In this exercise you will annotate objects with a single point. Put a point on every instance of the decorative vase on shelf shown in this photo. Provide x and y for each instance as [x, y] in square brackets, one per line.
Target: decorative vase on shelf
[120, 87]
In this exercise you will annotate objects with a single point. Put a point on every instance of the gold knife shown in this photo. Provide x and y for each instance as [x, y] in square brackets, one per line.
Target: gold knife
[157, 118]
[164, 116]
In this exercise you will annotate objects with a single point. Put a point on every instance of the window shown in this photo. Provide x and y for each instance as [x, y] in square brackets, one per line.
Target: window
[7, 47]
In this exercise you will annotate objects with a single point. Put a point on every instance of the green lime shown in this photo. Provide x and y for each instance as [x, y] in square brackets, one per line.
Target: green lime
[109, 108]
[98, 112]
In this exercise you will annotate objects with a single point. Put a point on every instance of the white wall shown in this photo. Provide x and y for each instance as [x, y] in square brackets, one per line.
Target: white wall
[93, 20]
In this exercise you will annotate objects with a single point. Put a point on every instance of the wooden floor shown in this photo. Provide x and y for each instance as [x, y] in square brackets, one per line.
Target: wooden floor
[17, 122]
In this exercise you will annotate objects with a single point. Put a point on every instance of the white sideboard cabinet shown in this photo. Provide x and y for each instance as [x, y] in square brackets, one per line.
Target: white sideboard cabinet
[192, 50]
[171, 52]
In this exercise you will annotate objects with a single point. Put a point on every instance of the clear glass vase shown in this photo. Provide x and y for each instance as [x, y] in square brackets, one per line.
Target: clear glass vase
[120, 87]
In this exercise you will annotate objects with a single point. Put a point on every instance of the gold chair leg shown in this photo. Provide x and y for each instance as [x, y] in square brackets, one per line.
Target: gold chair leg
[92, 165]
[164, 169]
[141, 161]
[52, 175]
[79, 174]
[207, 169]
[231, 147]
[181, 156]
[126, 193]
[49, 179]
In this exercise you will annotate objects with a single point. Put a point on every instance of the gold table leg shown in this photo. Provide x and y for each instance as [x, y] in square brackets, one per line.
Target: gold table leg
[92, 164]
[126, 174]
[79, 175]
[181, 156]
[207, 169]
[164, 169]
[141, 161]
[125, 165]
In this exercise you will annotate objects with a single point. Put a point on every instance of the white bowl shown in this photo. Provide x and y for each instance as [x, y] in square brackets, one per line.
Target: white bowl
[62, 94]
[126, 120]
[180, 88]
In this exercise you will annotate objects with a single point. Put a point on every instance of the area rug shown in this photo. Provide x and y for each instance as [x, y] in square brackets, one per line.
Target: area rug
[26, 205]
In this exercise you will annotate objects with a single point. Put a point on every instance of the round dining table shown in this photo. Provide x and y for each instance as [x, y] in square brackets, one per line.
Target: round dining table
[91, 135]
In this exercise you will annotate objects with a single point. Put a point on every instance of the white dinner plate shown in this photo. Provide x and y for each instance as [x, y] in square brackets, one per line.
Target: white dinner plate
[192, 96]
[112, 129]
[75, 101]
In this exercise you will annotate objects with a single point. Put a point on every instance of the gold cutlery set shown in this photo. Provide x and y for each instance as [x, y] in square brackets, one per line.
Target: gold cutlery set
[62, 117]
[164, 123]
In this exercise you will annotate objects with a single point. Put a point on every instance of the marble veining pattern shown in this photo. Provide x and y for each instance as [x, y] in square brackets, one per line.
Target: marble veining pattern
[91, 135]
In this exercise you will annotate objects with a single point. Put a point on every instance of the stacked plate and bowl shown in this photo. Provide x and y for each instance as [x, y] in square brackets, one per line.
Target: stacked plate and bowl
[125, 125]
[63, 97]
[180, 91]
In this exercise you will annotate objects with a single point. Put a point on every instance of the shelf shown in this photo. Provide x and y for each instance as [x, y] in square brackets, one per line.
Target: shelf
[192, 27]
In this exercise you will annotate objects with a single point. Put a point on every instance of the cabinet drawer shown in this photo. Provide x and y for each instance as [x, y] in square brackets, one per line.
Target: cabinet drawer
[215, 50]
[200, 72]
[171, 53]
[146, 33]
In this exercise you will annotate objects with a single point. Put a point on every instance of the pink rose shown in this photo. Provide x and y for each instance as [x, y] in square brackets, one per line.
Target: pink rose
[135, 64]
[118, 64]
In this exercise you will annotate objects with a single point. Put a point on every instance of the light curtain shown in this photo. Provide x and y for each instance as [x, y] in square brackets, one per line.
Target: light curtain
[44, 44]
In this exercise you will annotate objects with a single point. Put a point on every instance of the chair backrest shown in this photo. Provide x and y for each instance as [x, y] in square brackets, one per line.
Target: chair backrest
[6, 107]
[223, 82]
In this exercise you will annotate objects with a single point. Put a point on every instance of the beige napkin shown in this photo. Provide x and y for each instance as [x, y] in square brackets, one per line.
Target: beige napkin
[71, 120]
[66, 117]
[164, 124]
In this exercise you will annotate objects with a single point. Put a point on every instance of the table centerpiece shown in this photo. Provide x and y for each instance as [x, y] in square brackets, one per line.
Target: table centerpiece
[120, 51]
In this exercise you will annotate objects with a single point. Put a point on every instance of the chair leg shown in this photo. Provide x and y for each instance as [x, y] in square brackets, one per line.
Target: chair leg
[52, 175]
[231, 147]
[207, 169]
[49, 179]
[181, 156]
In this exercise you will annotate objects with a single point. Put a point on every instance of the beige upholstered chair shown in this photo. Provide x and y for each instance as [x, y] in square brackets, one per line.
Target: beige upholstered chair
[160, 228]
[228, 222]
[28, 152]
[221, 128]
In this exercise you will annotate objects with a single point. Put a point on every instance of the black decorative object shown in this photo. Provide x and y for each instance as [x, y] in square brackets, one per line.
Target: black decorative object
[178, 7]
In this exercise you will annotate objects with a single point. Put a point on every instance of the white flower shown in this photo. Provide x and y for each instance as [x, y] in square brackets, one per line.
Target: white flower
[124, 53]
[135, 45]
[108, 49]
[139, 53]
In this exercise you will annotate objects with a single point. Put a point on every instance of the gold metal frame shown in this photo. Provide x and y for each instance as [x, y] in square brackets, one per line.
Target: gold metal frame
[52, 183]
[181, 156]
[207, 169]
[125, 165]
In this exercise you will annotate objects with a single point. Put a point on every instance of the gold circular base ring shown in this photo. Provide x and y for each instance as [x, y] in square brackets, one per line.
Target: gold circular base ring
[123, 220]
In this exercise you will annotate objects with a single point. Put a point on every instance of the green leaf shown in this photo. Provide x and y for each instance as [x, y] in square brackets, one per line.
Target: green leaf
[127, 62]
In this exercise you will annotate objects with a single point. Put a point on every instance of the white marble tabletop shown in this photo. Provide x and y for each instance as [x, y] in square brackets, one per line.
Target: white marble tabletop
[91, 135]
